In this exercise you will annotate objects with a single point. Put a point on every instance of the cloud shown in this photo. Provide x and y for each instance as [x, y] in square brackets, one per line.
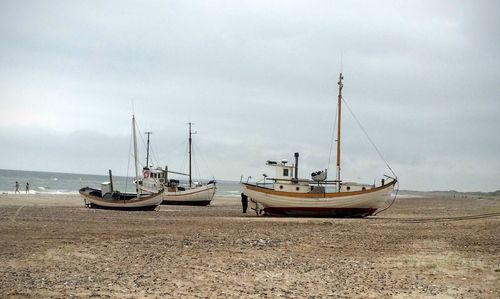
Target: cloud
[259, 80]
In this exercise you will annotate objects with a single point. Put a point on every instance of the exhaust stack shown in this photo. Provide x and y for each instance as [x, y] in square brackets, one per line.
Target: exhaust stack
[296, 165]
[111, 180]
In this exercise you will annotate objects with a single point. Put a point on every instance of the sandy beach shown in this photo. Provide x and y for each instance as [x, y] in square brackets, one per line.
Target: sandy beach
[51, 246]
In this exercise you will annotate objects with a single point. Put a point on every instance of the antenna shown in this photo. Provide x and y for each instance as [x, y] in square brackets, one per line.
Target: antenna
[341, 63]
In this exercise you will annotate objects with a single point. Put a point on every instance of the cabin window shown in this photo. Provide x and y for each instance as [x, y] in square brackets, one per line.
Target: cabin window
[285, 172]
[363, 188]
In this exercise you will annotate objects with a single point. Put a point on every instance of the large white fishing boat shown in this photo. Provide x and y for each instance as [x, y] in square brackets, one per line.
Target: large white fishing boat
[192, 193]
[108, 198]
[290, 195]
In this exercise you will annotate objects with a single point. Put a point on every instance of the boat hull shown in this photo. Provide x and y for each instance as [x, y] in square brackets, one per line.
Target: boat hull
[340, 204]
[197, 196]
[131, 203]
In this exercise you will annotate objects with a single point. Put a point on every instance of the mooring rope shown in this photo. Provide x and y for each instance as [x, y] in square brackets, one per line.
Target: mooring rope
[440, 219]
[393, 199]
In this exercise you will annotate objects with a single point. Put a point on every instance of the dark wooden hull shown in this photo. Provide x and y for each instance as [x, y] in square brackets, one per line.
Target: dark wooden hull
[145, 208]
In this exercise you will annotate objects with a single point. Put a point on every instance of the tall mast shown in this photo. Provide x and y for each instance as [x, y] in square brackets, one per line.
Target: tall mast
[135, 158]
[190, 141]
[147, 151]
[341, 85]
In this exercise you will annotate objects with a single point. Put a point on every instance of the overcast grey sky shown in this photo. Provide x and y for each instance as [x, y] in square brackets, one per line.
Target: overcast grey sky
[259, 80]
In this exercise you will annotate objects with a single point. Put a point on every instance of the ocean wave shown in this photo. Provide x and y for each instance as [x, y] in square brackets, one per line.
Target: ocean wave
[53, 192]
[229, 193]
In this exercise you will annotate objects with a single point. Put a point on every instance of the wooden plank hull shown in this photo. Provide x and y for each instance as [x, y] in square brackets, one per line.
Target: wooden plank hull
[339, 204]
[145, 203]
[198, 196]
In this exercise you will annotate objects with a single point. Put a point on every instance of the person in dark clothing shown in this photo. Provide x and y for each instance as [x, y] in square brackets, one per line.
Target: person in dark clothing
[244, 202]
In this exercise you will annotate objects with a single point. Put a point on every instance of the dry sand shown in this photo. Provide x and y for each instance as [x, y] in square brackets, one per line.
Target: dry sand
[51, 246]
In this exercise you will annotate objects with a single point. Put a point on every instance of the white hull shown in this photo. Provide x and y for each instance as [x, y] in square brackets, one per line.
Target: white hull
[201, 195]
[354, 203]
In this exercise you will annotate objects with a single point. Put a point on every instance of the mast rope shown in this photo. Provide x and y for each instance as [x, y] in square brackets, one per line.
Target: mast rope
[369, 139]
[332, 139]
[128, 163]
[199, 153]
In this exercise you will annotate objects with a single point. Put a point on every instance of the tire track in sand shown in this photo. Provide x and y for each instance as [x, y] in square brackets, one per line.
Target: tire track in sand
[13, 219]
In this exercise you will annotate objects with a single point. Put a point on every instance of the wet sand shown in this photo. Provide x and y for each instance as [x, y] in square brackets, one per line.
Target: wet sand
[51, 246]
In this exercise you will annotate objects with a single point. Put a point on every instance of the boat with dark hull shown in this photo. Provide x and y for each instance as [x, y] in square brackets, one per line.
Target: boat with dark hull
[108, 198]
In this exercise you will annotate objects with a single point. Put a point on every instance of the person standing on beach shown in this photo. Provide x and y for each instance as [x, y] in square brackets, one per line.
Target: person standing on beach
[17, 188]
[244, 202]
[27, 187]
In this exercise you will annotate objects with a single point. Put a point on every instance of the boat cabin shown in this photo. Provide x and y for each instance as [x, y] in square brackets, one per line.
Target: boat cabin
[106, 187]
[153, 179]
[286, 178]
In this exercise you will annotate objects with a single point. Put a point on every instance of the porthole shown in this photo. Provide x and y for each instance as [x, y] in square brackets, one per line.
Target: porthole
[348, 188]
[281, 187]
[297, 188]
[363, 188]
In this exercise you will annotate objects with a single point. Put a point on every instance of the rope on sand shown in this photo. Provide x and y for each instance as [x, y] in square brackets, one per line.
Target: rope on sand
[442, 219]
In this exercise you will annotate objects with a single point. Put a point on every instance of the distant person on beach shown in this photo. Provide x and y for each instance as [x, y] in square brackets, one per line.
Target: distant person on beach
[27, 187]
[244, 202]
[17, 188]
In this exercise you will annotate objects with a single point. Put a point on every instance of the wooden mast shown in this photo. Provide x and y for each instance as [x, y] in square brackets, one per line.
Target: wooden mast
[338, 130]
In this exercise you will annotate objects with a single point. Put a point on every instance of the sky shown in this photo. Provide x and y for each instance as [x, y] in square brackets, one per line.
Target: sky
[259, 81]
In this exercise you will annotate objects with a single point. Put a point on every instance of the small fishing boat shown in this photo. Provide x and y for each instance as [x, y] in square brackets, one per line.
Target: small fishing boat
[193, 193]
[108, 198]
[290, 195]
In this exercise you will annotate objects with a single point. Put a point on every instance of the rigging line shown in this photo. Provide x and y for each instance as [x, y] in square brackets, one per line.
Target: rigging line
[142, 137]
[128, 164]
[185, 159]
[196, 165]
[172, 150]
[369, 139]
[199, 153]
[332, 139]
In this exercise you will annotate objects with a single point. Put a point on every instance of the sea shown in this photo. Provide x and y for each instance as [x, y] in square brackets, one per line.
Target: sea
[69, 183]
